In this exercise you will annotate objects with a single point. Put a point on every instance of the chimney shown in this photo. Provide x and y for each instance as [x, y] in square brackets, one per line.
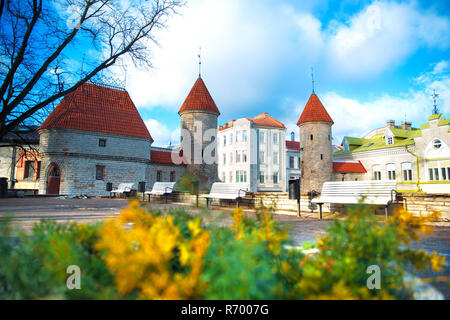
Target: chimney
[406, 125]
[231, 122]
[391, 123]
[292, 136]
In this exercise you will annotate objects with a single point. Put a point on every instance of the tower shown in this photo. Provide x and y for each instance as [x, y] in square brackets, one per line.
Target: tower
[199, 115]
[316, 147]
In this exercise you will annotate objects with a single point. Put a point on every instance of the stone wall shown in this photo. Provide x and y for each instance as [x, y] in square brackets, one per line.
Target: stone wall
[316, 155]
[413, 202]
[77, 153]
[203, 142]
[425, 203]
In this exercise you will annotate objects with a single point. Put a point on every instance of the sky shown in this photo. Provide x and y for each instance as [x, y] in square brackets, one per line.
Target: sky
[373, 61]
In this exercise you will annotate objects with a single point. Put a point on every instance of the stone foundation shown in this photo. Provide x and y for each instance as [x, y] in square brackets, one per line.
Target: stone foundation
[413, 202]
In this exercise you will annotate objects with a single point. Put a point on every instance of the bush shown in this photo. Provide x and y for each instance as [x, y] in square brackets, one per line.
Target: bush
[145, 254]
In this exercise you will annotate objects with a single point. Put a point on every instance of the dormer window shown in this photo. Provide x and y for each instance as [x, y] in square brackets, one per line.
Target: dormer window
[390, 140]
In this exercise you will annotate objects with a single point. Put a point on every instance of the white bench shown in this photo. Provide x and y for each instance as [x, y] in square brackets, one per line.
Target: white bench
[161, 189]
[123, 188]
[353, 192]
[230, 191]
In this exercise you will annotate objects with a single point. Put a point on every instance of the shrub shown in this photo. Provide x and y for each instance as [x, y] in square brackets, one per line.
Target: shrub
[146, 254]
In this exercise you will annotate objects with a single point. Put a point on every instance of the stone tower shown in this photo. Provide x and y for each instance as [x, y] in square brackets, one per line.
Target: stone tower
[199, 115]
[316, 148]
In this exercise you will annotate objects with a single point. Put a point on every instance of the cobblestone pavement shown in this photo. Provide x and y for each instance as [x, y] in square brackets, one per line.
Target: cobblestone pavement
[27, 211]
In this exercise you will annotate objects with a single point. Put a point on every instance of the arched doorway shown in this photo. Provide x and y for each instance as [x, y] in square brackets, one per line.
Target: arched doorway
[53, 179]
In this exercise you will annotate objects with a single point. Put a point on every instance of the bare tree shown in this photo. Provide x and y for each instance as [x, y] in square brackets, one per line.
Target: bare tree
[49, 48]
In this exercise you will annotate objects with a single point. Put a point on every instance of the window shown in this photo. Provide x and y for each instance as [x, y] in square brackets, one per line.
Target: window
[321, 156]
[224, 141]
[407, 171]
[390, 168]
[241, 176]
[434, 174]
[238, 133]
[102, 143]
[223, 177]
[172, 176]
[231, 157]
[29, 170]
[231, 177]
[231, 138]
[238, 157]
[445, 172]
[224, 159]
[329, 138]
[262, 137]
[261, 157]
[275, 177]
[390, 140]
[312, 137]
[99, 172]
[376, 172]
[275, 138]
[275, 158]
[437, 144]
[291, 162]
[261, 177]
[244, 156]
[244, 135]
[159, 176]
[38, 170]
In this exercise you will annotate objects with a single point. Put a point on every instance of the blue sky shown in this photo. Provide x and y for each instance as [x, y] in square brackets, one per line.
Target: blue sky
[372, 60]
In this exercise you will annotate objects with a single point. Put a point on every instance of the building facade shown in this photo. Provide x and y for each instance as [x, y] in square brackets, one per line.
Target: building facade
[417, 158]
[253, 151]
[95, 136]
[292, 160]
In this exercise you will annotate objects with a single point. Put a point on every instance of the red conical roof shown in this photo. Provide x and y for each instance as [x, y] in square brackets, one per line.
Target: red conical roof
[199, 99]
[314, 111]
[98, 109]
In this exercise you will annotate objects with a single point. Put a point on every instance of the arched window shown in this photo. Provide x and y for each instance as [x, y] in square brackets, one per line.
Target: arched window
[376, 172]
[407, 171]
[390, 168]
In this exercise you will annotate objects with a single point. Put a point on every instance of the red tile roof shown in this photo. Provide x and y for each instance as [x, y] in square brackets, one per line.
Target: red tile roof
[262, 120]
[292, 145]
[163, 157]
[265, 120]
[314, 111]
[99, 109]
[199, 99]
[348, 167]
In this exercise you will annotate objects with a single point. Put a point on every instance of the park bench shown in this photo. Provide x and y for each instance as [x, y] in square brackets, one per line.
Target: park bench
[353, 192]
[123, 188]
[230, 191]
[161, 189]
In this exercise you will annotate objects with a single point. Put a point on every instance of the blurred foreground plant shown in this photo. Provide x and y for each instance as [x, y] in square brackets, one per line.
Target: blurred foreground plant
[147, 254]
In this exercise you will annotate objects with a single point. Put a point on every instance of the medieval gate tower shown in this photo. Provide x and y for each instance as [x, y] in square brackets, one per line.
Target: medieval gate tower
[199, 115]
[316, 146]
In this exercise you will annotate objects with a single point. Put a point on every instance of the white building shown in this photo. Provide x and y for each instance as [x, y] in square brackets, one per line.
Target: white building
[292, 159]
[253, 151]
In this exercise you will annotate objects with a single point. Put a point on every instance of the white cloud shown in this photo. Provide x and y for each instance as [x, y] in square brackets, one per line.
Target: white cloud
[244, 45]
[383, 35]
[355, 118]
[161, 134]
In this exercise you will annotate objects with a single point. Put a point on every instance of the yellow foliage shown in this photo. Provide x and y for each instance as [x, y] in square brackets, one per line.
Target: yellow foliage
[140, 257]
